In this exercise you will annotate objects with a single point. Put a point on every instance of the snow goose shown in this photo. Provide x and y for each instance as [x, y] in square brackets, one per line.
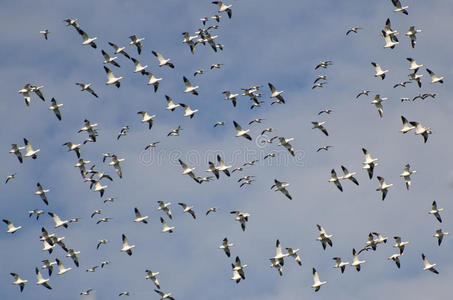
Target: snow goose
[317, 283]
[219, 123]
[353, 29]
[18, 281]
[407, 175]
[399, 8]
[189, 87]
[356, 261]
[285, 143]
[281, 186]
[279, 255]
[323, 237]
[224, 7]
[231, 96]
[188, 209]
[198, 72]
[98, 187]
[58, 221]
[87, 292]
[226, 246]
[29, 151]
[165, 227]
[123, 131]
[335, 179]
[11, 227]
[153, 80]
[416, 77]
[73, 147]
[137, 42]
[326, 148]
[87, 87]
[396, 258]
[238, 266]
[146, 118]
[325, 111]
[390, 40]
[320, 77]
[175, 132]
[41, 192]
[406, 126]
[293, 253]
[10, 177]
[56, 108]
[399, 243]
[379, 71]
[440, 235]
[435, 211]
[164, 207]
[363, 92]
[377, 101]
[340, 264]
[275, 263]
[420, 130]
[101, 242]
[241, 218]
[139, 67]
[428, 265]
[213, 169]
[111, 79]
[126, 247]
[222, 167]
[188, 112]
[413, 64]
[412, 34]
[110, 60]
[369, 163]
[163, 61]
[139, 218]
[152, 145]
[434, 78]
[164, 295]
[349, 175]
[36, 212]
[119, 50]
[276, 94]
[16, 151]
[116, 164]
[86, 39]
[61, 268]
[323, 64]
[153, 276]
[71, 22]
[319, 125]
[170, 104]
[41, 280]
[383, 187]
[187, 170]
[211, 209]
[241, 132]
[402, 84]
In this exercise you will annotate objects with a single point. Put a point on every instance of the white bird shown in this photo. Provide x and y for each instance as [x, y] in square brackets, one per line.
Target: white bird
[164, 295]
[162, 60]
[111, 79]
[377, 101]
[119, 50]
[16, 151]
[41, 280]
[276, 94]
[293, 253]
[170, 104]
[406, 126]
[29, 151]
[45, 32]
[413, 64]
[87, 292]
[323, 64]
[435, 211]
[281, 186]
[349, 175]
[340, 264]
[226, 246]
[319, 125]
[412, 34]
[164, 207]
[58, 221]
[241, 218]
[126, 247]
[147, 118]
[333, 178]
[38, 212]
[440, 235]
[356, 262]
[383, 187]
[428, 265]
[109, 59]
[189, 87]
[399, 243]
[101, 242]
[124, 293]
[98, 187]
[165, 227]
[139, 67]
[175, 132]
[25, 91]
[222, 167]
[72, 22]
[219, 123]
[239, 267]
[407, 175]
[87, 87]
[434, 78]
[399, 8]
[56, 108]
[390, 40]
[42, 193]
[188, 209]
[279, 255]
[116, 164]
[139, 218]
[231, 96]
[137, 42]
[188, 112]
[86, 39]
[241, 132]
[224, 7]
[152, 145]
[353, 29]
[11, 227]
[324, 238]
[211, 209]
[18, 281]
[369, 163]
[420, 130]
[153, 277]
[187, 170]
[363, 92]
[317, 283]
[416, 77]
[396, 258]
[379, 71]
[153, 80]
[61, 268]
[276, 264]
[73, 147]
[285, 143]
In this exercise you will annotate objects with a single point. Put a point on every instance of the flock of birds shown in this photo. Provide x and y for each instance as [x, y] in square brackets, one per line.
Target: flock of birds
[97, 178]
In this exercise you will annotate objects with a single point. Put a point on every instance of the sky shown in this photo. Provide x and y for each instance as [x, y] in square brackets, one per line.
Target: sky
[264, 42]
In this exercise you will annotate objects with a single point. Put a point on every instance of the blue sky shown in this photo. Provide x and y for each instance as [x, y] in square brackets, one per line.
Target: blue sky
[277, 42]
